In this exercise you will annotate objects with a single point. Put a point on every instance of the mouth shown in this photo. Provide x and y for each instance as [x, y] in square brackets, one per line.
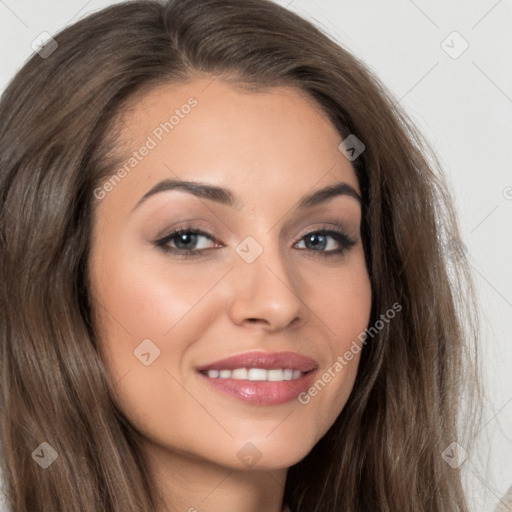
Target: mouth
[261, 378]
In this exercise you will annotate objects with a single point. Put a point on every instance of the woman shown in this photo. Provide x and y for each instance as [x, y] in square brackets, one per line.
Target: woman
[310, 354]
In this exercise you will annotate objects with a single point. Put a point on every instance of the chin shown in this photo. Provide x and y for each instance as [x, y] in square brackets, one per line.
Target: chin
[270, 453]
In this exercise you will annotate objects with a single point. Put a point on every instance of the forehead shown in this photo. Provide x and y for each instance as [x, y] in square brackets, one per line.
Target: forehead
[267, 141]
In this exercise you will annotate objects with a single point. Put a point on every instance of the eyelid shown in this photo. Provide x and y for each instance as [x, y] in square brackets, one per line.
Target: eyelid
[338, 226]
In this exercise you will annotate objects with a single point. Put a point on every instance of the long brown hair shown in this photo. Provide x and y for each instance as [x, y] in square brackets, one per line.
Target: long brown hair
[58, 141]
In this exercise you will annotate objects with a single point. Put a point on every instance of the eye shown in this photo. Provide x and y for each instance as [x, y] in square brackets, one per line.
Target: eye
[185, 240]
[325, 242]
[319, 244]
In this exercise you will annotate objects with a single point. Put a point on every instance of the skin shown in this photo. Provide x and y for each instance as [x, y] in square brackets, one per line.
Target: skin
[270, 148]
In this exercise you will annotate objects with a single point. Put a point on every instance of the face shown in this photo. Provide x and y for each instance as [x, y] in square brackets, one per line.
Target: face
[261, 273]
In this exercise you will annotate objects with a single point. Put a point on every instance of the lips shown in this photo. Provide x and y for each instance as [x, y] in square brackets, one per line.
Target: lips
[264, 360]
[259, 391]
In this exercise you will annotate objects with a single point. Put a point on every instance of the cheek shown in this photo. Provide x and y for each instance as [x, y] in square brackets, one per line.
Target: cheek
[343, 300]
[142, 296]
[344, 309]
[141, 300]
[145, 296]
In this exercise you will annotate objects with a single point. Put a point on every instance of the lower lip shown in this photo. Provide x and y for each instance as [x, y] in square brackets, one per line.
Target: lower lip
[262, 392]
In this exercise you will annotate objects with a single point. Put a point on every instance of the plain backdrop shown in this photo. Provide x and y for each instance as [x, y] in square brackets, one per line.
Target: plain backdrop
[449, 65]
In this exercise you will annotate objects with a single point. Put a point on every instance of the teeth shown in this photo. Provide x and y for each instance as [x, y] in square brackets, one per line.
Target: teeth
[275, 375]
[255, 374]
[240, 373]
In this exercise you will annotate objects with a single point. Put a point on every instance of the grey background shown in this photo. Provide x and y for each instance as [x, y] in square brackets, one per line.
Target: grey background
[461, 103]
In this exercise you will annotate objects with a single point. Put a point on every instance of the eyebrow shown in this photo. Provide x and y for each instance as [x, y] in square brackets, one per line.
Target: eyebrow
[226, 197]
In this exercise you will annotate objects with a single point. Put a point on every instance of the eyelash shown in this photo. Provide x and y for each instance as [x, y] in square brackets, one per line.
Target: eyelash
[337, 232]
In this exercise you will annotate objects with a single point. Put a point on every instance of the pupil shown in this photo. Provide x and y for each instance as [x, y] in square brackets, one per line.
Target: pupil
[186, 238]
[316, 236]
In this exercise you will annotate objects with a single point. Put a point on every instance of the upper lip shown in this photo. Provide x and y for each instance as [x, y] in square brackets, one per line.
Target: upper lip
[265, 360]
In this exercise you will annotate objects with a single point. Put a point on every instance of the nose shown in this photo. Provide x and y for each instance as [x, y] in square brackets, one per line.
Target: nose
[266, 291]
